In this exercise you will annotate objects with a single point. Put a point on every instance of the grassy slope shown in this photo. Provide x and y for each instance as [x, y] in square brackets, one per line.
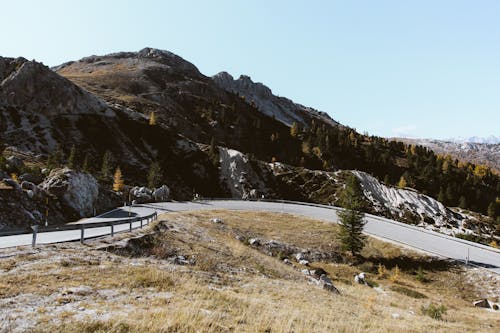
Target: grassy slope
[232, 286]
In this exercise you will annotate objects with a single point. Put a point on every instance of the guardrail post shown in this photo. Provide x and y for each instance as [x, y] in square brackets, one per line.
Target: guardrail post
[112, 229]
[35, 231]
[141, 222]
[130, 225]
[82, 233]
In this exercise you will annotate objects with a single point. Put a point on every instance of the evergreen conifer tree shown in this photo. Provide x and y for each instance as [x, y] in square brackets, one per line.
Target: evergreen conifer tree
[118, 183]
[352, 218]
[155, 175]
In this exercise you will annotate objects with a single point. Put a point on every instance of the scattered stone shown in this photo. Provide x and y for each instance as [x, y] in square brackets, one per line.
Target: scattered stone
[304, 262]
[216, 220]
[141, 194]
[162, 193]
[482, 303]
[326, 283]
[395, 316]
[79, 291]
[254, 241]
[306, 272]
[12, 183]
[360, 278]
[287, 261]
[300, 256]
[15, 162]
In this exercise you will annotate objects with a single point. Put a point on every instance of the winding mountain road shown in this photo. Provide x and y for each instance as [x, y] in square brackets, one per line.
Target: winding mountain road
[410, 236]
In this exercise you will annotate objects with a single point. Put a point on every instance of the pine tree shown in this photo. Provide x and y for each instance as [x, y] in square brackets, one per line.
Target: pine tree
[352, 218]
[152, 119]
[294, 130]
[106, 165]
[72, 158]
[462, 202]
[86, 163]
[213, 152]
[492, 210]
[55, 158]
[155, 175]
[118, 183]
[402, 182]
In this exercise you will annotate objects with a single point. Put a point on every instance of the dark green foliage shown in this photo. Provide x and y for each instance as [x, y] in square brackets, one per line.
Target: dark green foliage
[55, 158]
[434, 311]
[213, 152]
[352, 218]
[155, 175]
[492, 207]
[86, 167]
[72, 158]
[107, 167]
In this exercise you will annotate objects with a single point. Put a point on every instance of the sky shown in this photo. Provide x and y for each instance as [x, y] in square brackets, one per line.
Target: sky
[414, 68]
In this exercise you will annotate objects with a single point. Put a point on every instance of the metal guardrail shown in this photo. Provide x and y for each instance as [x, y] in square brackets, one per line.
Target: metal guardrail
[144, 220]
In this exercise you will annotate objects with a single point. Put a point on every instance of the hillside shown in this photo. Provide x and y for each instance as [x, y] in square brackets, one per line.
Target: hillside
[189, 274]
[210, 136]
[467, 151]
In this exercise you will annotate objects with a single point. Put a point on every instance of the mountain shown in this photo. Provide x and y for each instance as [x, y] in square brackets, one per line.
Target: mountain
[490, 140]
[212, 136]
[468, 151]
[280, 108]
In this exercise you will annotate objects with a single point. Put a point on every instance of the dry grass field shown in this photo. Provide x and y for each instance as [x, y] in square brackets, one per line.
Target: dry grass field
[188, 274]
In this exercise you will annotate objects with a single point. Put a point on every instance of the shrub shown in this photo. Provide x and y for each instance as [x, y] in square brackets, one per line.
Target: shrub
[434, 311]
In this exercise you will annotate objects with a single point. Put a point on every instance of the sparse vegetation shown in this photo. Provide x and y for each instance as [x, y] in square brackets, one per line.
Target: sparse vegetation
[434, 311]
[231, 286]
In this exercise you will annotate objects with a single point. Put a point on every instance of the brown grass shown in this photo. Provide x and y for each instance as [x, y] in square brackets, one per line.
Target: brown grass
[233, 287]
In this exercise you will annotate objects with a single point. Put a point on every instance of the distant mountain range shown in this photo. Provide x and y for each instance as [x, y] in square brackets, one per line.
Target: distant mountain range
[489, 140]
[475, 150]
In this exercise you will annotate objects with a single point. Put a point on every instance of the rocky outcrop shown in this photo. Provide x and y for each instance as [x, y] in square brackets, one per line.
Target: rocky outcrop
[271, 105]
[241, 178]
[77, 191]
[161, 194]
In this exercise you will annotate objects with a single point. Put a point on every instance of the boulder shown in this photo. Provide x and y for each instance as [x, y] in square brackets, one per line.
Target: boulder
[304, 262]
[36, 179]
[216, 220]
[327, 284]
[162, 193]
[77, 191]
[12, 183]
[300, 256]
[15, 162]
[254, 241]
[141, 194]
[360, 278]
[482, 303]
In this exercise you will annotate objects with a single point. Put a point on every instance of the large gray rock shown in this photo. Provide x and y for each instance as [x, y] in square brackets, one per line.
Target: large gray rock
[15, 162]
[141, 194]
[162, 193]
[78, 191]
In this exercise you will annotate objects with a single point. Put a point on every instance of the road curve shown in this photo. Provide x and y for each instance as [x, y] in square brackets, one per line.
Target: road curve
[414, 237]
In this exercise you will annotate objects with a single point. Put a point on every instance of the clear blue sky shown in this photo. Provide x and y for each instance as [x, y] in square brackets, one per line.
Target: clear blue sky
[416, 68]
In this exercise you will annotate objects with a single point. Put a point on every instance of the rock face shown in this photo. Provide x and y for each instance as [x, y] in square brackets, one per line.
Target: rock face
[77, 191]
[271, 105]
[396, 201]
[241, 178]
[162, 193]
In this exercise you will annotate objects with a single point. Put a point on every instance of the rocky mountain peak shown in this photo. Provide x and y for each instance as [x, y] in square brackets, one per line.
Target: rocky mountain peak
[281, 108]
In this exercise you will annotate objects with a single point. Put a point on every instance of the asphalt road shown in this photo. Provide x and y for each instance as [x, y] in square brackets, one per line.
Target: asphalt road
[414, 237]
